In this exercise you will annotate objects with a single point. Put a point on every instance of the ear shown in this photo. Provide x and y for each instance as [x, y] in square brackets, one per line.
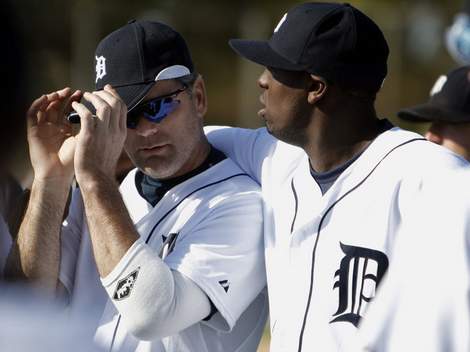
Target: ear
[435, 133]
[317, 89]
[199, 97]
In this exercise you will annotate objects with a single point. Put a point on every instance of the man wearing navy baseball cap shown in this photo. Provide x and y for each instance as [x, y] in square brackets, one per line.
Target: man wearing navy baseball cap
[448, 111]
[353, 215]
[336, 41]
[170, 261]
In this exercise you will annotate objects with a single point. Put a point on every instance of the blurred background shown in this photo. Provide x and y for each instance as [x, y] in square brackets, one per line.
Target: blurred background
[60, 38]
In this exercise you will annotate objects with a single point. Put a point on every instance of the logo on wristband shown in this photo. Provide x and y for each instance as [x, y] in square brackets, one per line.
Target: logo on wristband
[124, 286]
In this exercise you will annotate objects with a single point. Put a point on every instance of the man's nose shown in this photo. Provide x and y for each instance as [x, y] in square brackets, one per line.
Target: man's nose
[263, 79]
[146, 128]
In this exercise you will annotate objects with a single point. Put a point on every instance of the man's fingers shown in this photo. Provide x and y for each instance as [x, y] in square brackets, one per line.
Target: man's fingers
[52, 112]
[56, 108]
[76, 96]
[64, 93]
[59, 95]
[46, 107]
[65, 97]
[122, 123]
[52, 96]
[86, 117]
[36, 106]
[54, 105]
[116, 104]
[103, 110]
[111, 90]
[108, 88]
[109, 98]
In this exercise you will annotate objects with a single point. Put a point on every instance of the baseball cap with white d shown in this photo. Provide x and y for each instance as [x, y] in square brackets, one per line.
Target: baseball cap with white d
[135, 56]
[336, 41]
[449, 100]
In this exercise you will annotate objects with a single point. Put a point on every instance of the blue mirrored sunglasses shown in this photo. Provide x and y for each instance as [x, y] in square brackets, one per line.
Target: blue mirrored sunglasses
[154, 110]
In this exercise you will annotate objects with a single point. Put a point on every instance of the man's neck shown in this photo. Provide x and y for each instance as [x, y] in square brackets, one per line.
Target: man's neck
[335, 141]
[152, 190]
[198, 156]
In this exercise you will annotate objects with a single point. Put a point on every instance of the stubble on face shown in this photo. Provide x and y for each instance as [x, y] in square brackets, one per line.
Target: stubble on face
[179, 134]
[171, 160]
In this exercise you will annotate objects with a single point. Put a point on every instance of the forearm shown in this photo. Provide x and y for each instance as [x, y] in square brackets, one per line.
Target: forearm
[36, 254]
[153, 300]
[247, 148]
[111, 229]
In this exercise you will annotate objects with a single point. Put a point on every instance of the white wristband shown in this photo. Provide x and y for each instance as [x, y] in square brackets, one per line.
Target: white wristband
[153, 300]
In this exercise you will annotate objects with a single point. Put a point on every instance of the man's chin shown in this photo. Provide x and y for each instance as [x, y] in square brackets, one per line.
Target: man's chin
[270, 131]
[273, 132]
[269, 128]
[156, 173]
[287, 137]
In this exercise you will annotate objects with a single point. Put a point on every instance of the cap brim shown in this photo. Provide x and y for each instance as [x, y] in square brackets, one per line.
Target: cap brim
[261, 53]
[430, 113]
[131, 95]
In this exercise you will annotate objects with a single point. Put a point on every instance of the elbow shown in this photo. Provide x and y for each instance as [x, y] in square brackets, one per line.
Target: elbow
[146, 314]
[147, 327]
[152, 318]
[13, 270]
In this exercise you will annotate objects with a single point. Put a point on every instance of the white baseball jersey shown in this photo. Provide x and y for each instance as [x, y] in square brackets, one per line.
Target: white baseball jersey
[210, 229]
[326, 254]
[424, 303]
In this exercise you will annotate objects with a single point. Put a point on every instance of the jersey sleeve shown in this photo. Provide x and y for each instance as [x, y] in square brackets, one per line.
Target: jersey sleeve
[70, 239]
[248, 148]
[223, 255]
[423, 303]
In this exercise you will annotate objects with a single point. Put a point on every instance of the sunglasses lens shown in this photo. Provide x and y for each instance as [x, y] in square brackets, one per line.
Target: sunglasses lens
[158, 110]
[153, 110]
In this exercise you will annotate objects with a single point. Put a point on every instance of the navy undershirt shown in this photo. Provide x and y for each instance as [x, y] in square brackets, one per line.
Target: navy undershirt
[326, 179]
[152, 189]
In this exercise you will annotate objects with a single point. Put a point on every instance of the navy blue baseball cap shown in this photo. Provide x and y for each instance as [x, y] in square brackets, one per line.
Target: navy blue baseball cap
[449, 100]
[336, 41]
[135, 56]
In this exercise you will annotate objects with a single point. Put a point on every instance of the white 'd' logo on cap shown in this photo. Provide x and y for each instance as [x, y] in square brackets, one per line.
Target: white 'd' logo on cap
[100, 67]
[280, 23]
[438, 85]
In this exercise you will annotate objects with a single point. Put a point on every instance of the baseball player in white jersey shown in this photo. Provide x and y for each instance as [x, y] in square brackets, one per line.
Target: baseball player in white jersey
[172, 261]
[344, 193]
